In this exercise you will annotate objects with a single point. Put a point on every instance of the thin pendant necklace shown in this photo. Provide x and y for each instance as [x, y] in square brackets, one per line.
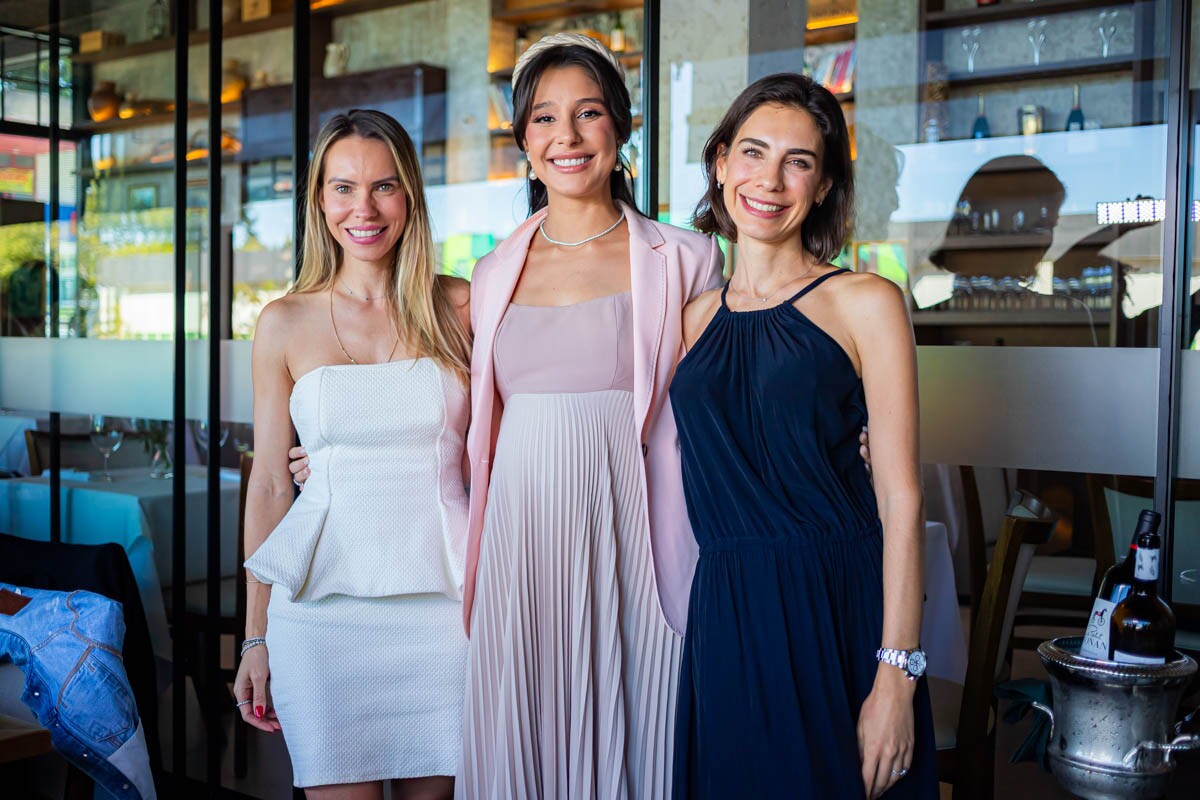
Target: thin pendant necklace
[351, 358]
[581, 242]
[353, 293]
[781, 288]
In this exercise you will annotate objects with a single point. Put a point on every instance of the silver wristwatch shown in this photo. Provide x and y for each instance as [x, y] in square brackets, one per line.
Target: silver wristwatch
[910, 662]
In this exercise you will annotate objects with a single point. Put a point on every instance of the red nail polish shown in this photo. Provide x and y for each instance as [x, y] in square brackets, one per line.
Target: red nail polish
[258, 711]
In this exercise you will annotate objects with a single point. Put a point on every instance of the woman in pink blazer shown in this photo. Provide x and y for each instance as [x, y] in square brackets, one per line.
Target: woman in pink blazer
[579, 555]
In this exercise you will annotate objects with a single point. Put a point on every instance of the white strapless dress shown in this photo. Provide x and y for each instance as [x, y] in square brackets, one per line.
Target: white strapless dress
[364, 627]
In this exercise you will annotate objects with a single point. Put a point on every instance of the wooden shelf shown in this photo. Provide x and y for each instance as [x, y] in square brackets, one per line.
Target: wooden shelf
[1078, 316]
[831, 35]
[1058, 69]
[1009, 10]
[233, 30]
[997, 241]
[557, 10]
[195, 111]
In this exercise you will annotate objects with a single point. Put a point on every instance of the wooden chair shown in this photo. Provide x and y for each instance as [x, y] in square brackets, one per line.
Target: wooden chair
[76, 451]
[977, 556]
[1106, 493]
[196, 625]
[964, 716]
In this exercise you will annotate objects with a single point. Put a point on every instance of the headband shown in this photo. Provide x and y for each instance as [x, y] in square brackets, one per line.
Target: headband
[565, 40]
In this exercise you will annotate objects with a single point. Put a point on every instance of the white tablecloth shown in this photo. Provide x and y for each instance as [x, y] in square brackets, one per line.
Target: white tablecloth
[135, 512]
[942, 635]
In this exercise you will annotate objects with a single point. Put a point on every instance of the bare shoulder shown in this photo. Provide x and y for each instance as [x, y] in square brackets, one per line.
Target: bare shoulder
[698, 313]
[281, 316]
[864, 294]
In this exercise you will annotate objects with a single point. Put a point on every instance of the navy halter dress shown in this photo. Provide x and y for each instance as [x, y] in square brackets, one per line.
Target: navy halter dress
[786, 607]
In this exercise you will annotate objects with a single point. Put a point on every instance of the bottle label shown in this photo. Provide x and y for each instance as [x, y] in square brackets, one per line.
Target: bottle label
[1129, 658]
[1095, 637]
[1146, 568]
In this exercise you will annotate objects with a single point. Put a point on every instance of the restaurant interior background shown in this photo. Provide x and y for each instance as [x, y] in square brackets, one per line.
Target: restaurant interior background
[1025, 174]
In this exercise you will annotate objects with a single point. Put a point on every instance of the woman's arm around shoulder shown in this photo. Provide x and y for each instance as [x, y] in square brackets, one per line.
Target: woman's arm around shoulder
[459, 293]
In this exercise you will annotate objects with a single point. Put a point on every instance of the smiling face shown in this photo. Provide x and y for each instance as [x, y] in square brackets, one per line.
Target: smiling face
[362, 200]
[772, 173]
[570, 140]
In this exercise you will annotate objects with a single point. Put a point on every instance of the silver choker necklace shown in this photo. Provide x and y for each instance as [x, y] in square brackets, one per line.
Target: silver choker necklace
[581, 242]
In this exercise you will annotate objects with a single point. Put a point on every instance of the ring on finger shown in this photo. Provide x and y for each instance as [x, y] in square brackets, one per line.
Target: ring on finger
[241, 703]
[900, 773]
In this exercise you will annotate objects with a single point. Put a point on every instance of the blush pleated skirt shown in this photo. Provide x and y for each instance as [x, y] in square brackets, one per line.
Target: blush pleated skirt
[572, 670]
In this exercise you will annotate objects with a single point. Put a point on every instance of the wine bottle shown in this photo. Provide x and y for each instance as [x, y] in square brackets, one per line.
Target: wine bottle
[981, 129]
[1117, 583]
[1075, 118]
[616, 39]
[156, 19]
[1143, 625]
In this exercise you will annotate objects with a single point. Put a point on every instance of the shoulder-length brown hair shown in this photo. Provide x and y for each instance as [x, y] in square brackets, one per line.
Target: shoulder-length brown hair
[827, 226]
[425, 316]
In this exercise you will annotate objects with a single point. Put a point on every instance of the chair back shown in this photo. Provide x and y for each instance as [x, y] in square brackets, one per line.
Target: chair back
[76, 452]
[976, 538]
[1027, 524]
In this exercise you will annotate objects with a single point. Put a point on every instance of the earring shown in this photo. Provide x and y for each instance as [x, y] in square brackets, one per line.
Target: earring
[532, 176]
[617, 167]
[720, 185]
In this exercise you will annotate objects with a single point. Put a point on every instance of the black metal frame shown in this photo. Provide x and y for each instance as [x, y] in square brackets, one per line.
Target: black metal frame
[1177, 248]
[1176, 262]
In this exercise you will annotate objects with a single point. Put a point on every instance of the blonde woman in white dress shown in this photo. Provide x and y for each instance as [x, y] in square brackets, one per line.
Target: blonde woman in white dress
[354, 621]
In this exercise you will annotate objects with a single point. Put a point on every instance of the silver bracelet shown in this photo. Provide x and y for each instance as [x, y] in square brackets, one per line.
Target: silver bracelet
[254, 642]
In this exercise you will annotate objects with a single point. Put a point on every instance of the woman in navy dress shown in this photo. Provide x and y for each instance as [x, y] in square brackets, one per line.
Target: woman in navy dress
[804, 617]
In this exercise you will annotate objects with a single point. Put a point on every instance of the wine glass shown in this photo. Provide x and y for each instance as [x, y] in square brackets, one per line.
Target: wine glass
[970, 45]
[1037, 37]
[203, 437]
[106, 435]
[1107, 30]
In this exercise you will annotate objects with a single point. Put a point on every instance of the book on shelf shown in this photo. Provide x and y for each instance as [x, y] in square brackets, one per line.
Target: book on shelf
[500, 102]
[832, 66]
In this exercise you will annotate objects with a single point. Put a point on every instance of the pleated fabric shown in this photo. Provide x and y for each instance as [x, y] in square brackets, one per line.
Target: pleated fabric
[573, 671]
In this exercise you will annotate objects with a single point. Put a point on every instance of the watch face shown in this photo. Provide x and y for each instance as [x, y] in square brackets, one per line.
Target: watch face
[916, 662]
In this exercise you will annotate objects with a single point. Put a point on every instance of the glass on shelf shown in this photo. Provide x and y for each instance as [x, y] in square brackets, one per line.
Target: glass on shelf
[1107, 30]
[970, 45]
[1037, 37]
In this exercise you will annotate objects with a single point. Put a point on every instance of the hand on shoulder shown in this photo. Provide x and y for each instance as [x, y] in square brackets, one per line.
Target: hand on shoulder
[458, 291]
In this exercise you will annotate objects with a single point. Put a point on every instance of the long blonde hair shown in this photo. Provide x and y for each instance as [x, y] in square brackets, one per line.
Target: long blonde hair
[425, 317]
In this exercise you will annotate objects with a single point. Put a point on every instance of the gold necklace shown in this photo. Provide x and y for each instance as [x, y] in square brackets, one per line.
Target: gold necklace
[781, 288]
[343, 347]
[353, 293]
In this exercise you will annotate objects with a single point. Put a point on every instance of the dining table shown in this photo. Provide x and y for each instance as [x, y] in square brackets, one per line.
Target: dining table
[134, 510]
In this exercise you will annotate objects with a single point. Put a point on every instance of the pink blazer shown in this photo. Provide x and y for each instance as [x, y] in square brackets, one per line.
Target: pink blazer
[669, 267]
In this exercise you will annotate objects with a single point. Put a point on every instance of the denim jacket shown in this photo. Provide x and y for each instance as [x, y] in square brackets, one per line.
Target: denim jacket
[68, 644]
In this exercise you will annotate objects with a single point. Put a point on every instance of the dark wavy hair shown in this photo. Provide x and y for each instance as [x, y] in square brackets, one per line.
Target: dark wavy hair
[827, 226]
[616, 103]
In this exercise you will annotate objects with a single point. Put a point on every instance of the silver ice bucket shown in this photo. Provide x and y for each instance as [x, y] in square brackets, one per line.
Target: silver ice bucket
[1111, 729]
